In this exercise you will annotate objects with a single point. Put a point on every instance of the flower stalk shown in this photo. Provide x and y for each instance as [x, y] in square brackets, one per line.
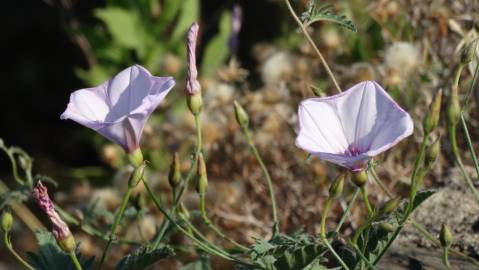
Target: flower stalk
[243, 121]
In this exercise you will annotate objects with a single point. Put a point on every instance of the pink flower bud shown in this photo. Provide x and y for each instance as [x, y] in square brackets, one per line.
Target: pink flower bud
[193, 87]
[60, 228]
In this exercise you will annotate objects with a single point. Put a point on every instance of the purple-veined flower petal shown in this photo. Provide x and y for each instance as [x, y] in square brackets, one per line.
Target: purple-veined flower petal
[118, 108]
[350, 128]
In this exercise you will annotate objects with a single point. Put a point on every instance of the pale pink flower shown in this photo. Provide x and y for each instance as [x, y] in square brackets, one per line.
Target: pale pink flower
[119, 108]
[60, 228]
[352, 127]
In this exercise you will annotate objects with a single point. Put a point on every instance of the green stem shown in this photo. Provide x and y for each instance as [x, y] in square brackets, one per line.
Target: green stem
[471, 88]
[267, 176]
[412, 195]
[378, 180]
[202, 245]
[414, 185]
[338, 258]
[457, 155]
[436, 242]
[203, 238]
[75, 261]
[348, 209]
[166, 223]
[445, 257]
[363, 258]
[315, 48]
[117, 220]
[469, 143]
[323, 218]
[207, 221]
[9, 246]
[364, 194]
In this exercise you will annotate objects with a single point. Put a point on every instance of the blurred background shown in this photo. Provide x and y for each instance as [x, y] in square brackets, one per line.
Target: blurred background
[53, 47]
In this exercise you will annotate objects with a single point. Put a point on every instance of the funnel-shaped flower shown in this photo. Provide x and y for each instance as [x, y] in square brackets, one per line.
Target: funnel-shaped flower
[350, 128]
[118, 108]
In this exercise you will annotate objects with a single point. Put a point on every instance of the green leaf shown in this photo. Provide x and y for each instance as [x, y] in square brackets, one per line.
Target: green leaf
[300, 257]
[421, 196]
[50, 257]
[188, 14]
[324, 13]
[143, 258]
[124, 25]
[217, 50]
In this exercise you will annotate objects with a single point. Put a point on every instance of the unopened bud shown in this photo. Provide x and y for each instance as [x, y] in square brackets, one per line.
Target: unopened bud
[453, 108]
[359, 178]
[336, 187]
[137, 175]
[174, 176]
[468, 52]
[183, 212]
[431, 120]
[241, 115]
[445, 236]
[432, 153]
[202, 183]
[386, 227]
[136, 157]
[67, 244]
[390, 206]
[195, 103]
[7, 221]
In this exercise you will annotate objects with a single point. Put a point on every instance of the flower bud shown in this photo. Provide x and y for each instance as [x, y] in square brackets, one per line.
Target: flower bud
[136, 157]
[137, 175]
[390, 206]
[431, 119]
[192, 85]
[7, 221]
[386, 227]
[359, 178]
[241, 115]
[183, 212]
[432, 153]
[202, 183]
[445, 236]
[468, 52]
[453, 109]
[60, 231]
[336, 187]
[174, 176]
[195, 103]
[67, 244]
